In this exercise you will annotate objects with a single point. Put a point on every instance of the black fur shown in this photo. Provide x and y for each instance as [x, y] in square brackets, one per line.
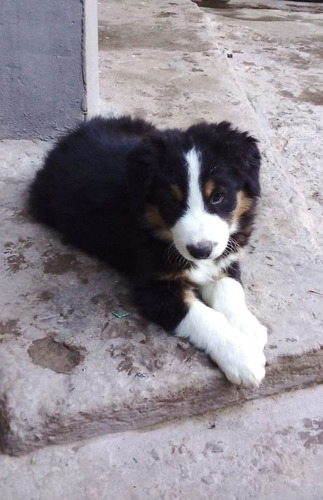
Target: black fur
[98, 181]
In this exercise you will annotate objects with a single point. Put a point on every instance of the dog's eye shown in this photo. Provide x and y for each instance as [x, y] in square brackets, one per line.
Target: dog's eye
[216, 198]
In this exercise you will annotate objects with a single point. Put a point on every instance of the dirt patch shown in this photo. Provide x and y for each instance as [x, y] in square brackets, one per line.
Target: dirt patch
[4, 425]
[58, 263]
[57, 356]
[9, 329]
[61, 263]
[232, 7]
[45, 296]
[313, 435]
[16, 262]
[315, 98]
[14, 254]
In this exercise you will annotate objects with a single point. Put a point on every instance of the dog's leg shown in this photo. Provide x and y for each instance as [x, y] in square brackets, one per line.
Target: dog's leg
[226, 295]
[178, 309]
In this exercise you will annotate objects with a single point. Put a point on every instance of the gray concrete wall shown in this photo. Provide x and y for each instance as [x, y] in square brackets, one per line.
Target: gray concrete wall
[43, 78]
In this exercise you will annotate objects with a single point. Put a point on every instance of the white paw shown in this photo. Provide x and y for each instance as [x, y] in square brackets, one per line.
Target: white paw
[242, 362]
[248, 324]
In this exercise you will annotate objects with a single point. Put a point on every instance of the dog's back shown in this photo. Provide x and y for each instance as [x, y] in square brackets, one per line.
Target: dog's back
[82, 191]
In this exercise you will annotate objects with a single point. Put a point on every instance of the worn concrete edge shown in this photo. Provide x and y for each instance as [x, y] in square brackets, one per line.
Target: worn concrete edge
[289, 373]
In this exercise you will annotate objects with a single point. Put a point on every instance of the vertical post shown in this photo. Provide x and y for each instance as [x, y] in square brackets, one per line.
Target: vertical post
[91, 56]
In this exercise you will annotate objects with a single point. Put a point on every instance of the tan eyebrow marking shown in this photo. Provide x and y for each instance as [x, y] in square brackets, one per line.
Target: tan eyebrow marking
[209, 187]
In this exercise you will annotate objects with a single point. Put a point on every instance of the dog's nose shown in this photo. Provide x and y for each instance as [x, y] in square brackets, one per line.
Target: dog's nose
[201, 250]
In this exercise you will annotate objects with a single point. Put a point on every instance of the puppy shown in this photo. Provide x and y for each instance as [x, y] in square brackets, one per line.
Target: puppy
[171, 210]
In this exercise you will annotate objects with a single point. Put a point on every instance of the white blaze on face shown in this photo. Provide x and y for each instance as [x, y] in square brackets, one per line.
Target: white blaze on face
[196, 225]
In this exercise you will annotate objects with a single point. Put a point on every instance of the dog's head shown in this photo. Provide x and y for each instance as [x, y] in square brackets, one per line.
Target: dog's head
[195, 188]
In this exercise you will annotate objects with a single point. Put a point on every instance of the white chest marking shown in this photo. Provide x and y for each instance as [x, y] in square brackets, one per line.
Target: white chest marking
[208, 270]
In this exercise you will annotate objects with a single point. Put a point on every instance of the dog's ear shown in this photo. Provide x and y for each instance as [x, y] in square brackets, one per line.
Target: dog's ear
[143, 164]
[248, 155]
[239, 148]
[242, 148]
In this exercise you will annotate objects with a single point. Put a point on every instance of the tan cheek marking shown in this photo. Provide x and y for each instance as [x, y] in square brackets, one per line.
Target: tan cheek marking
[244, 204]
[177, 192]
[209, 187]
[189, 296]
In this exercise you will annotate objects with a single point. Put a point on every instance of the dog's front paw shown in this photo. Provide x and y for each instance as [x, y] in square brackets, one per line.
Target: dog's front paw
[243, 363]
[255, 330]
[249, 325]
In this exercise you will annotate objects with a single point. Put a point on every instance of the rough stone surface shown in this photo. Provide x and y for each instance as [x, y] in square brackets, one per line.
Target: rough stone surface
[267, 449]
[69, 367]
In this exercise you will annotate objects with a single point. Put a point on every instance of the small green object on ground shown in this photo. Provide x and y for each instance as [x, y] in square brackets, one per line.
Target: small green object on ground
[120, 314]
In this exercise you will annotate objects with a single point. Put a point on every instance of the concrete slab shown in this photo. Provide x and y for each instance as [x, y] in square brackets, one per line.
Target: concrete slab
[266, 449]
[69, 368]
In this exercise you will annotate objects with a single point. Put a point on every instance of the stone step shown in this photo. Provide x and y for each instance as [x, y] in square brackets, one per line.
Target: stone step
[268, 449]
[71, 367]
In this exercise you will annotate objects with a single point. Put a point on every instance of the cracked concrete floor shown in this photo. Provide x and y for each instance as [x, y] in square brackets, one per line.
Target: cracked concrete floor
[71, 369]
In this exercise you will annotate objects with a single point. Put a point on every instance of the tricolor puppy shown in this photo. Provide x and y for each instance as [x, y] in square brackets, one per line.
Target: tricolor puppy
[171, 210]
